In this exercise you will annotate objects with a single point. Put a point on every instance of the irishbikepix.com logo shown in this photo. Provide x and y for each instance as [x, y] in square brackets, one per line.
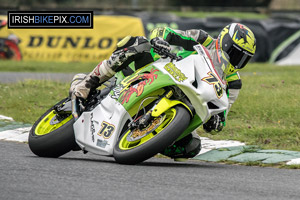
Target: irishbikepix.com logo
[50, 19]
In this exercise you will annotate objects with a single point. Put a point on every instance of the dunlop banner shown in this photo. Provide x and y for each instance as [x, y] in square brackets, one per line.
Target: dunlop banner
[71, 45]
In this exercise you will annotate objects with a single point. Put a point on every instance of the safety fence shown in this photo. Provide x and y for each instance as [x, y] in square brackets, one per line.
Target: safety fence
[277, 38]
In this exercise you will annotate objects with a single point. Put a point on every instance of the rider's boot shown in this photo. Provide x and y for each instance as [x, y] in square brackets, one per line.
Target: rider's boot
[82, 84]
[187, 147]
[127, 48]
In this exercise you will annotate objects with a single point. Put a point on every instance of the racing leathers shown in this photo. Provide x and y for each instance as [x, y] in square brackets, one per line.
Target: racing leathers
[187, 39]
[139, 50]
[129, 49]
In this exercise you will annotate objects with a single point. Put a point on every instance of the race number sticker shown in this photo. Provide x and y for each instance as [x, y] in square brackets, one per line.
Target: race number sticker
[175, 72]
[106, 130]
[212, 80]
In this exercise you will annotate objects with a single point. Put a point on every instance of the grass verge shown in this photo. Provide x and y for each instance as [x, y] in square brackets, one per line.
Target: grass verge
[266, 112]
[282, 165]
[27, 101]
[35, 66]
[239, 15]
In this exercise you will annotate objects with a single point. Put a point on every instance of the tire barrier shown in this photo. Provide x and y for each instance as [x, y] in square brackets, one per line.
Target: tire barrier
[278, 39]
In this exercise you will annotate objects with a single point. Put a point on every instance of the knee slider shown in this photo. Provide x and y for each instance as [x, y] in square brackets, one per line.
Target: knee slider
[194, 146]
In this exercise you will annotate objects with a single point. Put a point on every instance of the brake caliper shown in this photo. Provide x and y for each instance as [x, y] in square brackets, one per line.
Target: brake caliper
[140, 132]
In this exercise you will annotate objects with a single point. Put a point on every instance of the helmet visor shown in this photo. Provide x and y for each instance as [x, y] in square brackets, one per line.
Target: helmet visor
[238, 57]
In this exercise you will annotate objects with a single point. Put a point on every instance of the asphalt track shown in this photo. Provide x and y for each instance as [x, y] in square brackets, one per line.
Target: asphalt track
[78, 176]
[11, 77]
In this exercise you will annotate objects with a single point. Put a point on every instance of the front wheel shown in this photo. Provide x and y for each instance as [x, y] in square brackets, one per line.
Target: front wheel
[52, 135]
[138, 145]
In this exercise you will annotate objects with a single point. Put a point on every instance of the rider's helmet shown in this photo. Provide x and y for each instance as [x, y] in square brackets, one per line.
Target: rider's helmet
[238, 43]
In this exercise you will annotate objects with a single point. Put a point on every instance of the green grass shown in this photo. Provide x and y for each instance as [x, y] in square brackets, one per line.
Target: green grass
[266, 112]
[32, 66]
[27, 101]
[239, 15]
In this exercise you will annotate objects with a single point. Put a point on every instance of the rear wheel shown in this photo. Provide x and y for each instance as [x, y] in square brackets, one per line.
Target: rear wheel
[52, 135]
[138, 145]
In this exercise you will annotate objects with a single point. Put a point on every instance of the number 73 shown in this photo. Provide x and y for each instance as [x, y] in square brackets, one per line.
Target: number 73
[106, 130]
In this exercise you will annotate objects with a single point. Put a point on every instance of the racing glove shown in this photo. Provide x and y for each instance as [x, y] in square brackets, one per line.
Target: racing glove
[216, 123]
[160, 46]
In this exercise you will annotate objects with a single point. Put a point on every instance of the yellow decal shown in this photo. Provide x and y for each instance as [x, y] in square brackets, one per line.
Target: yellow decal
[169, 94]
[212, 80]
[175, 72]
[106, 130]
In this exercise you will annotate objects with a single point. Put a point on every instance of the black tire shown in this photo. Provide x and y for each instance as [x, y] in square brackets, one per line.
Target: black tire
[55, 143]
[156, 144]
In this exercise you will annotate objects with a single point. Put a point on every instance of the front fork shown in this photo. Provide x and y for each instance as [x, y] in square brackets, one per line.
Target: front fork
[161, 105]
[165, 103]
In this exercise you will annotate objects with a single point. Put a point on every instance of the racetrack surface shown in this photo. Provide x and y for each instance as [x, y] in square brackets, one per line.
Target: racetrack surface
[89, 176]
[11, 77]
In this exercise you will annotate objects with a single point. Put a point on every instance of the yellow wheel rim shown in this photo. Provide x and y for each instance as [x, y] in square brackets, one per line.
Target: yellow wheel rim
[49, 123]
[125, 144]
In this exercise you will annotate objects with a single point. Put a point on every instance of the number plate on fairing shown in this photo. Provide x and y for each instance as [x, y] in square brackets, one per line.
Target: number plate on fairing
[97, 131]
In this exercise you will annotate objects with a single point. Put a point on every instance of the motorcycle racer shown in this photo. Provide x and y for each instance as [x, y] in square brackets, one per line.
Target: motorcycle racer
[236, 41]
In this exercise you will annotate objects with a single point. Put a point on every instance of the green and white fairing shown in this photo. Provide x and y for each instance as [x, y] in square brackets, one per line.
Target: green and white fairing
[98, 130]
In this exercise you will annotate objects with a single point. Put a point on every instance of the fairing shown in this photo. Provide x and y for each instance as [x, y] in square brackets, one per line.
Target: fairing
[97, 131]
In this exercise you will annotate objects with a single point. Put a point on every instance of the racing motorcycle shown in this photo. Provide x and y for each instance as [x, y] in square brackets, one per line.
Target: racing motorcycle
[135, 117]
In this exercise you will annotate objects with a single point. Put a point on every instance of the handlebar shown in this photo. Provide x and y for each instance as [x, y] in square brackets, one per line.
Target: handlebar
[162, 52]
[77, 105]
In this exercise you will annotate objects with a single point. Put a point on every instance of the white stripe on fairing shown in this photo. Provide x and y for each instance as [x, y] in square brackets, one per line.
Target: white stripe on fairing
[231, 29]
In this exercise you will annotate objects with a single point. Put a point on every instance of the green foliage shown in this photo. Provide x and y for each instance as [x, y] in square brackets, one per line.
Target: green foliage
[239, 15]
[27, 101]
[32, 66]
[260, 164]
[291, 166]
[265, 114]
